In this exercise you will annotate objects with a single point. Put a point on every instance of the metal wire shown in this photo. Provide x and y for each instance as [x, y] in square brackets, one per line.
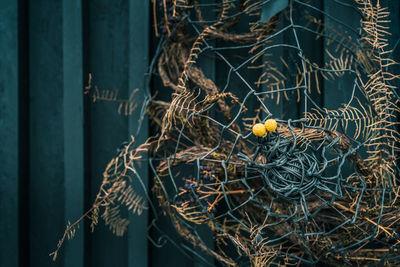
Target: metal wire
[303, 193]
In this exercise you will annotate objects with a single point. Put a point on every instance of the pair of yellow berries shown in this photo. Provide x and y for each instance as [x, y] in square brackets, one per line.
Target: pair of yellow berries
[261, 130]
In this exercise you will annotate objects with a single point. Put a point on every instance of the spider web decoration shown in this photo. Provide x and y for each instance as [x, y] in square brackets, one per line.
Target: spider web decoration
[322, 187]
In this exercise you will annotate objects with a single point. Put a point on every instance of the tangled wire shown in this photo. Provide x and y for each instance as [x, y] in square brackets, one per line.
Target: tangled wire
[321, 185]
[292, 173]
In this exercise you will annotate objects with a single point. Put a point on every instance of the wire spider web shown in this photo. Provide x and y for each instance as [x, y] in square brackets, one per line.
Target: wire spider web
[287, 187]
[322, 187]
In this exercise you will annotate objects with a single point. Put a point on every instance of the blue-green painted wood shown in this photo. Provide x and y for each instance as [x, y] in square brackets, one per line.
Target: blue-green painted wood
[271, 8]
[46, 157]
[313, 49]
[339, 90]
[56, 130]
[283, 109]
[138, 65]
[108, 61]
[73, 126]
[9, 133]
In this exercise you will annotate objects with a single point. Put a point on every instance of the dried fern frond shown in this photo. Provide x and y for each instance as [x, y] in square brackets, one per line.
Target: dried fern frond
[184, 98]
[115, 191]
[69, 233]
[381, 94]
[113, 219]
[129, 198]
[361, 119]
[125, 106]
[254, 246]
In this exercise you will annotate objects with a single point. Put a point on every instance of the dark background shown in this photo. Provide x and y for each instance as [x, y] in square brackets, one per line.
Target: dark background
[55, 143]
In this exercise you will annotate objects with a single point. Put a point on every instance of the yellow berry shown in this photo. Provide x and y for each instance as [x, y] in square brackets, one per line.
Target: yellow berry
[270, 125]
[259, 129]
